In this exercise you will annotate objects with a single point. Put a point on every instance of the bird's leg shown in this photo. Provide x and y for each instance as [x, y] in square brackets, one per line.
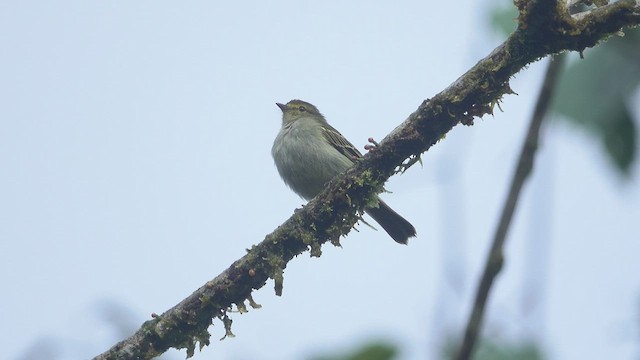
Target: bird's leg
[404, 166]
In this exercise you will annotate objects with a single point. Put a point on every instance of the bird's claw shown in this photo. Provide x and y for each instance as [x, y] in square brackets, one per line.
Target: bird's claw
[372, 145]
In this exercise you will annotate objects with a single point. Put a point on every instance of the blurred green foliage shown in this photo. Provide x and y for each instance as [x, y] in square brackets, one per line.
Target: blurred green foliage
[503, 18]
[378, 350]
[488, 349]
[595, 93]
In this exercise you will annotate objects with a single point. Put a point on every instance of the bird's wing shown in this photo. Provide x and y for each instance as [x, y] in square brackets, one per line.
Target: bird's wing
[340, 143]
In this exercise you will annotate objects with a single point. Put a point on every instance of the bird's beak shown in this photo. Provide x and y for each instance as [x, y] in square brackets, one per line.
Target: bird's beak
[281, 106]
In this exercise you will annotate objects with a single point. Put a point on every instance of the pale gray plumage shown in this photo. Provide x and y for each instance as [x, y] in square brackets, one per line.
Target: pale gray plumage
[309, 152]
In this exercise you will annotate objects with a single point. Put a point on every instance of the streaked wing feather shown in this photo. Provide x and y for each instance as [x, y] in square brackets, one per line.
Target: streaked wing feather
[340, 143]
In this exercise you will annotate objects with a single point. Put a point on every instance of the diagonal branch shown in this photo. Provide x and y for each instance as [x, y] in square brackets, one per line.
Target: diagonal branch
[334, 212]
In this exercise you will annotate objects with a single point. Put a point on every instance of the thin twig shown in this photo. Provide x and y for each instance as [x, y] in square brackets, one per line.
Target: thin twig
[523, 170]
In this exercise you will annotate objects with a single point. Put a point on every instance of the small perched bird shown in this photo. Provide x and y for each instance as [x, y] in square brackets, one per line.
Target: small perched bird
[309, 152]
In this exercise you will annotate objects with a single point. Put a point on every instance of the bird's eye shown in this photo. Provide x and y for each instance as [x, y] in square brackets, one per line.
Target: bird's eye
[302, 109]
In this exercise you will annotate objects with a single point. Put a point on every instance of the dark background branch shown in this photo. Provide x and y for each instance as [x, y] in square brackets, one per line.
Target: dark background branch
[495, 257]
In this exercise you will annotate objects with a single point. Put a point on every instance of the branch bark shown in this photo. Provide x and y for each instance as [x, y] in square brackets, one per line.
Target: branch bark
[544, 28]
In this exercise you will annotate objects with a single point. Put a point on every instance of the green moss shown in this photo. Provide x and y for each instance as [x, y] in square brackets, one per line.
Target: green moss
[277, 275]
[226, 321]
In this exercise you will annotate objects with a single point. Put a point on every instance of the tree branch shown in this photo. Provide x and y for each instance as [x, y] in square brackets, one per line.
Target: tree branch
[334, 212]
[495, 258]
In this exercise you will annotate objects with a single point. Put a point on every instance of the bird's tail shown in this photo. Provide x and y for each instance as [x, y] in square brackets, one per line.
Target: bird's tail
[395, 225]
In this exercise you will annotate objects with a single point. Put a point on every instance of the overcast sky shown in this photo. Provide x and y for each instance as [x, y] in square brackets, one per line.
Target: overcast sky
[135, 146]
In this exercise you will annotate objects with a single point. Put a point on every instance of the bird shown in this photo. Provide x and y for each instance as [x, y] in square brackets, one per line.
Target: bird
[308, 153]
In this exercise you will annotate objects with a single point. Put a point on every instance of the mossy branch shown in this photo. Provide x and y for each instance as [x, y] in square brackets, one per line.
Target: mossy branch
[334, 212]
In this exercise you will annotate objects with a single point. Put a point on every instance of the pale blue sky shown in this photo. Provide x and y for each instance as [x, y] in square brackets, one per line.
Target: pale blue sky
[135, 144]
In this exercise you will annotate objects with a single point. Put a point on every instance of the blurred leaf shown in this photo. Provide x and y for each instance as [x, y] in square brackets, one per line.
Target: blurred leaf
[594, 93]
[504, 18]
[620, 138]
[370, 351]
[43, 348]
[496, 350]
[120, 317]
